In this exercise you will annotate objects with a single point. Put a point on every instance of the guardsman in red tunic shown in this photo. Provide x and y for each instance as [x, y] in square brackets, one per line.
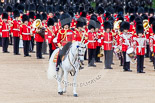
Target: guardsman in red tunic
[140, 48]
[51, 35]
[125, 43]
[92, 43]
[99, 36]
[9, 11]
[31, 20]
[5, 32]
[26, 36]
[39, 40]
[78, 32]
[44, 24]
[15, 30]
[64, 37]
[1, 11]
[108, 41]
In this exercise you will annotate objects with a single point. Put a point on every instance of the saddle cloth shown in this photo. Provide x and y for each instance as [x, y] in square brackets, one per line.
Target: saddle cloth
[56, 57]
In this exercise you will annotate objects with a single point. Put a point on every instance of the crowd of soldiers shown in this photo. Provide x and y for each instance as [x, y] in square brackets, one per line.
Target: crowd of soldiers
[113, 29]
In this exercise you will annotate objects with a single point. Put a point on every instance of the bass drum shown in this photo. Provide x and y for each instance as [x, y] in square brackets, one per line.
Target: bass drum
[131, 53]
[55, 40]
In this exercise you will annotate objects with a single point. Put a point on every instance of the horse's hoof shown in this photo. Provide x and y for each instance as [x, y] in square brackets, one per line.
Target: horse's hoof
[60, 93]
[75, 95]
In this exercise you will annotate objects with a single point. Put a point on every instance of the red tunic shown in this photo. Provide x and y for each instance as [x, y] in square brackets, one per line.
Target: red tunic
[91, 40]
[125, 41]
[77, 35]
[140, 45]
[15, 29]
[25, 32]
[108, 40]
[51, 36]
[4, 29]
[65, 36]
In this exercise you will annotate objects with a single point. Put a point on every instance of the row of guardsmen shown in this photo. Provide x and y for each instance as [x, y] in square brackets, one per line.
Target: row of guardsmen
[114, 31]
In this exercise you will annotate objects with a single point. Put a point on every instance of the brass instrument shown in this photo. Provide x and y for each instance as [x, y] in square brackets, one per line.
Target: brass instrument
[101, 53]
[40, 29]
[117, 24]
[146, 24]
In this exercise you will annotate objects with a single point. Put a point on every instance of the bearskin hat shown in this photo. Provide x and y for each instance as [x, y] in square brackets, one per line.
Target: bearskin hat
[25, 18]
[93, 17]
[153, 26]
[32, 7]
[81, 8]
[5, 15]
[65, 19]
[131, 10]
[16, 13]
[71, 14]
[92, 24]
[132, 18]
[139, 28]
[57, 14]
[79, 22]
[44, 16]
[140, 10]
[31, 15]
[8, 8]
[21, 8]
[144, 17]
[107, 25]
[91, 10]
[139, 22]
[50, 22]
[151, 11]
[121, 18]
[125, 26]
[98, 24]
[146, 10]
[111, 10]
[152, 19]
[1, 10]
[15, 6]
[40, 9]
[38, 16]
[120, 10]
[61, 8]
[100, 10]
[50, 9]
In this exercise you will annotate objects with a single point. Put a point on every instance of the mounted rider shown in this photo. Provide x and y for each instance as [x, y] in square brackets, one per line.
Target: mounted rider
[64, 37]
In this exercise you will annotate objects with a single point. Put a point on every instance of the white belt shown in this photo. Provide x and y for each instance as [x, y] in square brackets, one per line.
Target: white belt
[107, 41]
[16, 29]
[26, 33]
[46, 33]
[125, 43]
[91, 41]
[49, 36]
[153, 44]
[5, 30]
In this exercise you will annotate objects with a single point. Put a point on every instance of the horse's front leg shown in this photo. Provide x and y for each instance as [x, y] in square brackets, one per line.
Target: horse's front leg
[65, 81]
[59, 79]
[75, 84]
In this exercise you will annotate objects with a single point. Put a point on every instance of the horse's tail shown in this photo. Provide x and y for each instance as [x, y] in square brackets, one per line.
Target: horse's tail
[52, 66]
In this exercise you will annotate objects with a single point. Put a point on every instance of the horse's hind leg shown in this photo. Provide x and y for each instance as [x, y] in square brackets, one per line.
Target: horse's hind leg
[65, 81]
[59, 79]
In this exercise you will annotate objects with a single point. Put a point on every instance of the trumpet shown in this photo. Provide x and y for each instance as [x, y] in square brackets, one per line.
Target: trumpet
[146, 24]
[101, 53]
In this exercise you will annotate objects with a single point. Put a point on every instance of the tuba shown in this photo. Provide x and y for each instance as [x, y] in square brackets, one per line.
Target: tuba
[38, 25]
[146, 24]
